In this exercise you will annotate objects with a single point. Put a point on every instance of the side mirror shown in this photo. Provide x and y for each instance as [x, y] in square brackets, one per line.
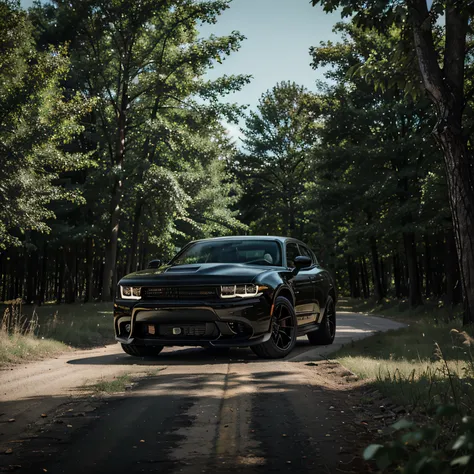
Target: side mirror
[301, 262]
[154, 264]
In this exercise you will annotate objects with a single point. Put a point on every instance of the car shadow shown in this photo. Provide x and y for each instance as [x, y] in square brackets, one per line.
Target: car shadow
[187, 356]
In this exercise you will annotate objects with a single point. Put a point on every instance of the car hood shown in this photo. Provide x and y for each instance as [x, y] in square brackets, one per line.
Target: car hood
[205, 274]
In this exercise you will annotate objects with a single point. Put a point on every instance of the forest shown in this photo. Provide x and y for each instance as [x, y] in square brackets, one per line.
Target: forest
[113, 149]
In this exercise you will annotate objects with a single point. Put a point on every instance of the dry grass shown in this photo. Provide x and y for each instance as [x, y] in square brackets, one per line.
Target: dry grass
[77, 325]
[29, 333]
[15, 348]
[117, 384]
[419, 366]
[432, 311]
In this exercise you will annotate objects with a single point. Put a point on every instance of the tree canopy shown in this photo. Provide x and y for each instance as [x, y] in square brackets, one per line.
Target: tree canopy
[114, 151]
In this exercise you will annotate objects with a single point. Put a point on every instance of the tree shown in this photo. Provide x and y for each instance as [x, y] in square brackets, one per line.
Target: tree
[37, 118]
[139, 59]
[442, 71]
[274, 166]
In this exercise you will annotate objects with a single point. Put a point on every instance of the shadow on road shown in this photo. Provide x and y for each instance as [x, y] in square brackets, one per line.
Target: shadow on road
[187, 356]
[244, 422]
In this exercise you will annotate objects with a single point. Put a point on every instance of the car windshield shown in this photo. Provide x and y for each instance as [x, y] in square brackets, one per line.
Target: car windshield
[255, 252]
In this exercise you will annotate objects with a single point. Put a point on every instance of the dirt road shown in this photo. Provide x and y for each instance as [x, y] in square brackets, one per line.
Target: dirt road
[191, 412]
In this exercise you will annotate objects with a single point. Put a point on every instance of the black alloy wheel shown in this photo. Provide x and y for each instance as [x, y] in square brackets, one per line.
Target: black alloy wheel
[327, 330]
[283, 327]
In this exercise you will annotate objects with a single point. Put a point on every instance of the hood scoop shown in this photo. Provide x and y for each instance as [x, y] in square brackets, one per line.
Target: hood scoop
[184, 269]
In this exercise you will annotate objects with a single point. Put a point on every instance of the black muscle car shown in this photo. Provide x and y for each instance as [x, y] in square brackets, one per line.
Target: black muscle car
[261, 292]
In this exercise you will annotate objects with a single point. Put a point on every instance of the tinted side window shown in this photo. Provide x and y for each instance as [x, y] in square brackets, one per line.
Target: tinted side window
[292, 252]
[315, 260]
[306, 252]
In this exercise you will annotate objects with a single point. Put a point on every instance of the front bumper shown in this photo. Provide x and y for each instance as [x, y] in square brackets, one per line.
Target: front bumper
[224, 323]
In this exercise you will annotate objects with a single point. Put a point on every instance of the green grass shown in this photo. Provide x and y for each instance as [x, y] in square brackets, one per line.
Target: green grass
[31, 332]
[420, 366]
[431, 312]
[17, 348]
[117, 384]
[77, 325]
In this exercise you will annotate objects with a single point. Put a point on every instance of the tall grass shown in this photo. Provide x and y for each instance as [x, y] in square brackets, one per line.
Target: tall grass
[18, 341]
[78, 325]
[432, 311]
[29, 332]
[421, 366]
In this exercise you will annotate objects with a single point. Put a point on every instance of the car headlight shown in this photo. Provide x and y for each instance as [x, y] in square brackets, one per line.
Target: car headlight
[241, 291]
[130, 292]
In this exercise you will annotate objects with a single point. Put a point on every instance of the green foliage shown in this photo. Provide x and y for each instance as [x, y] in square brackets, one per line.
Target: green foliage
[376, 168]
[151, 141]
[429, 449]
[274, 167]
[37, 118]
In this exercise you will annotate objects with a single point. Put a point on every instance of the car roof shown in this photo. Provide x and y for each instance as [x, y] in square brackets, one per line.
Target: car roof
[252, 237]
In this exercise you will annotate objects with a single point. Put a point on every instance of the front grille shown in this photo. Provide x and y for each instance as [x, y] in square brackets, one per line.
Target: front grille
[186, 330]
[178, 330]
[179, 293]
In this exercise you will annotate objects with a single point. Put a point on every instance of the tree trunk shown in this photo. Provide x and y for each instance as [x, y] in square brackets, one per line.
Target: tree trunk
[383, 276]
[60, 282]
[378, 286]
[292, 217]
[428, 268]
[5, 268]
[445, 88]
[460, 179]
[70, 277]
[99, 276]
[364, 278]
[397, 275]
[453, 285]
[133, 251]
[89, 269]
[19, 293]
[353, 277]
[44, 275]
[143, 253]
[32, 260]
[414, 294]
[111, 248]
[116, 199]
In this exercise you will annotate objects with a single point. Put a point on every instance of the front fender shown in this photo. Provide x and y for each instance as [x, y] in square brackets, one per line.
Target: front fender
[286, 291]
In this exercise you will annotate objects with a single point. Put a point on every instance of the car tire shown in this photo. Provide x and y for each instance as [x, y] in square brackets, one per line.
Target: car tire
[141, 351]
[283, 327]
[326, 333]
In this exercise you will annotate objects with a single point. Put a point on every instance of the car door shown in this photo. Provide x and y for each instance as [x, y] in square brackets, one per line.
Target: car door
[302, 287]
[318, 281]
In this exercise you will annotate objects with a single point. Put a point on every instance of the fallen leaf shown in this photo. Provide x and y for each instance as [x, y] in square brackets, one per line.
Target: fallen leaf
[9, 451]
[43, 415]
[69, 426]
[11, 420]
[284, 435]
[142, 441]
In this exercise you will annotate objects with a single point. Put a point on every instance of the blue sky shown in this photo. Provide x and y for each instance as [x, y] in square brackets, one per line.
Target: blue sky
[279, 34]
